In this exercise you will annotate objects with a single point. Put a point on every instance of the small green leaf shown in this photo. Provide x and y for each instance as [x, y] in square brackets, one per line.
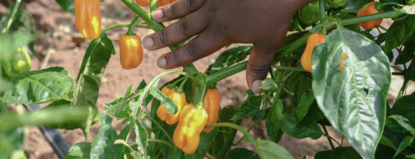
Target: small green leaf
[230, 57]
[167, 102]
[394, 125]
[80, 150]
[289, 122]
[407, 54]
[407, 141]
[399, 32]
[385, 141]
[404, 123]
[305, 102]
[238, 153]
[268, 149]
[405, 106]
[274, 119]
[67, 5]
[269, 84]
[141, 138]
[249, 108]
[313, 115]
[105, 137]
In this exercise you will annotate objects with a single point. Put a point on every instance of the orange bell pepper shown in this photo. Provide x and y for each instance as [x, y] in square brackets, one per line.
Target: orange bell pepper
[369, 9]
[312, 41]
[187, 133]
[211, 103]
[179, 99]
[131, 51]
[88, 18]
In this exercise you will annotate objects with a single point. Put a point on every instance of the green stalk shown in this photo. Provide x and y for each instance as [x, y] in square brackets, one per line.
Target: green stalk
[388, 14]
[200, 90]
[137, 25]
[217, 76]
[331, 143]
[161, 128]
[229, 143]
[130, 28]
[160, 141]
[10, 19]
[153, 5]
[156, 26]
[323, 16]
[180, 88]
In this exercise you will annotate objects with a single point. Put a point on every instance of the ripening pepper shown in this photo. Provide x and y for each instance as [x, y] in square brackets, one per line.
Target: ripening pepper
[369, 9]
[312, 41]
[131, 51]
[19, 62]
[179, 99]
[310, 13]
[191, 123]
[88, 18]
[211, 103]
[160, 2]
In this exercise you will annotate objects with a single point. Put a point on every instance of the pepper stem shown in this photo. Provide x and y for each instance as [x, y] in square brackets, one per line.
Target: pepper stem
[379, 6]
[180, 89]
[132, 25]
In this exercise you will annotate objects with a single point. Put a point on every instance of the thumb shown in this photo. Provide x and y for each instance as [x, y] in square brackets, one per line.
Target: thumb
[258, 65]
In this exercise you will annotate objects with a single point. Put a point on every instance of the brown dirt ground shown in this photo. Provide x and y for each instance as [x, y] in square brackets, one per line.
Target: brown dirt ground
[57, 32]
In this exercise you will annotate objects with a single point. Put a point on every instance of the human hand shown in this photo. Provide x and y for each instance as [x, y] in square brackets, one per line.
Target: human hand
[217, 23]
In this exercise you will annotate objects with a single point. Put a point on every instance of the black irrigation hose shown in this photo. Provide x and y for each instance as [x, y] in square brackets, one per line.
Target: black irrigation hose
[53, 136]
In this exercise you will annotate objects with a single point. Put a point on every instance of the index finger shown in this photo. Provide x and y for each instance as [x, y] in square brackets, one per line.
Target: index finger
[178, 9]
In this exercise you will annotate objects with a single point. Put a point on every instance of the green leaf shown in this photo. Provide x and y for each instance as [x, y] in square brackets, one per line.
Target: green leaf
[249, 108]
[11, 140]
[407, 141]
[105, 137]
[142, 85]
[274, 119]
[238, 153]
[289, 122]
[41, 86]
[141, 138]
[385, 141]
[229, 57]
[80, 150]
[67, 5]
[407, 53]
[411, 156]
[313, 115]
[405, 106]
[399, 32]
[86, 91]
[269, 84]
[299, 83]
[119, 108]
[167, 102]
[353, 98]
[128, 90]
[268, 149]
[339, 153]
[403, 122]
[305, 102]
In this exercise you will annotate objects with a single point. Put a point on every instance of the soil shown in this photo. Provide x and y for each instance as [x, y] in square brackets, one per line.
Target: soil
[58, 35]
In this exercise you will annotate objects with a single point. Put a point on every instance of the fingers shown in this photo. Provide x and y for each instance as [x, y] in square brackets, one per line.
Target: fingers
[177, 10]
[176, 33]
[258, 66]
[203, 45]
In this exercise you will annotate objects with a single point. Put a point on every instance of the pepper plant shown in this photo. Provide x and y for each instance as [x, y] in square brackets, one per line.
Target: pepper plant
[341, 80]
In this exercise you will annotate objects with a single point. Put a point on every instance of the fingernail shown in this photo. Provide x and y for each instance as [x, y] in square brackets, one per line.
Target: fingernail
[148, 42]
[158, 14]
[255, 85]
[162, 62]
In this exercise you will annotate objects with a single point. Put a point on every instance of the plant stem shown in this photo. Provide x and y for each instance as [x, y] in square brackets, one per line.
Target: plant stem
[323, 16]
[288, 68]
[153, 5]
[130, 28]
[229, 143]
[341, 145]
[402, 92]
[124, 25]
[162, 129]
[327, 133]
[10, 19]
[217, 76]
[252, 126]
[160, 141]
[398, 73]
[388, 14]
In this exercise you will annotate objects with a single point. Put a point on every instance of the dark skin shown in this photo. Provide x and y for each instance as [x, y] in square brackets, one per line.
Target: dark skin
[217, 23]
